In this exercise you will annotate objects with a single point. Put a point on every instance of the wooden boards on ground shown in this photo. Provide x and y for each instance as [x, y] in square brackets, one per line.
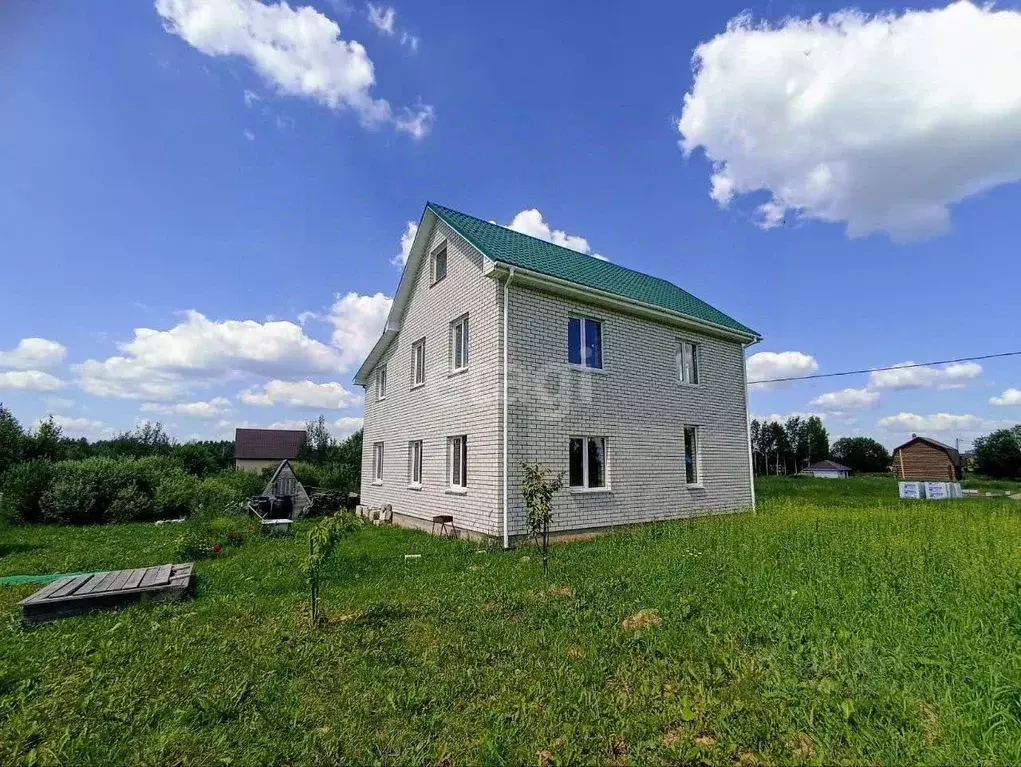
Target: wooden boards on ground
[103, 591]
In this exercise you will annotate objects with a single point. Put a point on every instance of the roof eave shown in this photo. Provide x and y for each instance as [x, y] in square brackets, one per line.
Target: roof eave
[622, 302]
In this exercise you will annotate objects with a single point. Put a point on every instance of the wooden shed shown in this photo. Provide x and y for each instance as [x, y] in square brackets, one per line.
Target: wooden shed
[284, 484]
[922, 458]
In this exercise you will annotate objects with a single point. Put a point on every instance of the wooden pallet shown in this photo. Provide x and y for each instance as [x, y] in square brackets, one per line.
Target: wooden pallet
[81, 594]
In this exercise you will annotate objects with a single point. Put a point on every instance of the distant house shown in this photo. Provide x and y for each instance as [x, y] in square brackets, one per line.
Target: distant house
[258, 449]
[924, 458]
[827, 470]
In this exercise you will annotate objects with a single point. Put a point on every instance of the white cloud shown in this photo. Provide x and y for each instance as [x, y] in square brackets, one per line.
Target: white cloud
[880, 123]
[251, 97]
[33, 353]
[846, 399]
[781, 418]
[163, 364]
[937, 422]
[764, 366]
[407, 239]
[343, 428]
[531, 222]
[410, 40]
[357, 324]
[925, 377]
[85, 427]
[34, 380]
[297, 50]
[213, 408]
[1009, 397]
[382, 18]
[332, 396]
[58, 403]
[248, 134]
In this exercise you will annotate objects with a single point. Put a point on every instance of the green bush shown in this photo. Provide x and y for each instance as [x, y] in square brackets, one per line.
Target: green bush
[23, 486]
[77, 495]
[130, 504]
[222, 493]
[325, 476]
[176, 495]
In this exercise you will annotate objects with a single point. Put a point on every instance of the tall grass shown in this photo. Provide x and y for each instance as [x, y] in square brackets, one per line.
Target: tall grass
[836, 624]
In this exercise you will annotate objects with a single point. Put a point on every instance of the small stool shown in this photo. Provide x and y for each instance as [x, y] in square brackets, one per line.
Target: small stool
[443, 520]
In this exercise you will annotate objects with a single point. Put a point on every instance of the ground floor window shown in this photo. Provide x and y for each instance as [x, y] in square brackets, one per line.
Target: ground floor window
[377, 462]
[691, 468]
[415, 462]
[458, 458]
[588, 462]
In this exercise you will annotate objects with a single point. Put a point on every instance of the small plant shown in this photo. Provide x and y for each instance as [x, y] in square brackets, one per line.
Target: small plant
[322, 542]
[538, 486]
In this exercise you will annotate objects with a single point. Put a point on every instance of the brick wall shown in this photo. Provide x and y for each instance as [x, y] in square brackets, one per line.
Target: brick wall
[448, 404]
[637, 403]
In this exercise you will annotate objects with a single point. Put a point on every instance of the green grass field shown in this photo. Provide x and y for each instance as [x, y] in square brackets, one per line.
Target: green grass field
[836, 625]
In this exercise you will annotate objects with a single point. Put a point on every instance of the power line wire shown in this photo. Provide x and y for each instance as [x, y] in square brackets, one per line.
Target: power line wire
[891, 367]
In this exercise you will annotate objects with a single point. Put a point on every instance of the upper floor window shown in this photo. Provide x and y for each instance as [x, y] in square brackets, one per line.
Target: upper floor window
[381, 382]
[439, 260]
[585, 342]
[377, 463]
[588, 462]
[418, 363]
[458, 457]
[459, 343]
[692, 475]
[687, 362]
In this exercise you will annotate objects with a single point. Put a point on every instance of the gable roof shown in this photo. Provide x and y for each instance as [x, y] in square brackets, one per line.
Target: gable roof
[509, 247]
[267, 444]
[955, 456]
[828, 465]
[545, 263]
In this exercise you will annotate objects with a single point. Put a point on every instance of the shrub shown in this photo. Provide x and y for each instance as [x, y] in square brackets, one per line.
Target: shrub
[77, 495]
[130, 504]
[23, 487]
[222, 493]
[326, 476]
[176, 495]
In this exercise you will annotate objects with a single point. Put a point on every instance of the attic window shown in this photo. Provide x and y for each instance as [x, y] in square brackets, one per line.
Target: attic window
[439, 263]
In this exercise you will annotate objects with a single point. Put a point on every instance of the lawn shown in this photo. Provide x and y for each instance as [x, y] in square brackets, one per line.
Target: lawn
[836, 625]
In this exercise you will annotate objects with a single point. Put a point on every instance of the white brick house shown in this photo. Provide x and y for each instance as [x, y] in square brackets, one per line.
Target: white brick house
[503, 349]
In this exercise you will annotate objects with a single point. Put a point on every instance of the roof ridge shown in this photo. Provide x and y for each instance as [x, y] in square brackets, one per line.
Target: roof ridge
[572, 251]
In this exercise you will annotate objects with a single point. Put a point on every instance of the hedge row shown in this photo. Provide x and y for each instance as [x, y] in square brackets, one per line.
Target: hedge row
[98, 490]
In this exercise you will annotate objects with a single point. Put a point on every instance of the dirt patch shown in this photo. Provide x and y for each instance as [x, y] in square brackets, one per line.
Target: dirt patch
[704, 740]
[930, 724]
[802, 746]
[745, 759]
[562, 591]
[643, 619]
[545, 757]
[673, 736]
[574, 652]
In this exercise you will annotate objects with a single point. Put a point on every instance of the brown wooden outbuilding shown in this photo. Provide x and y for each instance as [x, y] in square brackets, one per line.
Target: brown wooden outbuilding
[921, 458]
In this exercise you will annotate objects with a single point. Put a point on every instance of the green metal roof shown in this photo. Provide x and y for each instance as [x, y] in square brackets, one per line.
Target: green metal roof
[506, 246]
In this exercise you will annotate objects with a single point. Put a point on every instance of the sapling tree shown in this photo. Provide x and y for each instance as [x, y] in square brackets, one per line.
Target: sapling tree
[538, 486]
[322, 542]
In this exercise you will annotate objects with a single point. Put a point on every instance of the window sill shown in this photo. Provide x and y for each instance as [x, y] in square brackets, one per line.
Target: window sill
[456, 491]
[415, 486]
[695, 486]
[586, 369]
[590, 490]
[381, 399]
[687, 385]
[457, 371]
[377, 482]
[417, 386]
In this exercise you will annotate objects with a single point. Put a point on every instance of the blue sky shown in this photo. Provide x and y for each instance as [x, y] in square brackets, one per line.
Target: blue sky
[201, 217]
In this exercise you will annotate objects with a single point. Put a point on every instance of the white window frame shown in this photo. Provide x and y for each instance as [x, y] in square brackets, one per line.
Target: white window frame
[441, 248]
[696, 356]
[381, 382]
[698, 455]
[417, 348]
[460, 325]
[377, 463]
[584, 487]
[457, 463]
[415, 450]
[602, 342]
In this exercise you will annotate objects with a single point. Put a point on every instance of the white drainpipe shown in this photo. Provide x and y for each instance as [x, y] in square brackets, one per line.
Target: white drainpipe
[747, 423]
[506, 302]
